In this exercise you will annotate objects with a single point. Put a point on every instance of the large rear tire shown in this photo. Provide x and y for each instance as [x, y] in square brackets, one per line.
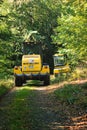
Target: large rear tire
[47, 80]
[18, 81]
[24, 80]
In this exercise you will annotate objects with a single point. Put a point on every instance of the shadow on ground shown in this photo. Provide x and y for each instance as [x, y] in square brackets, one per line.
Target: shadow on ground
[36, 108]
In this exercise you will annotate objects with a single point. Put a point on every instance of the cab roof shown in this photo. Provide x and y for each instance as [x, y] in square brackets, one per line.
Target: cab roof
[58, 54]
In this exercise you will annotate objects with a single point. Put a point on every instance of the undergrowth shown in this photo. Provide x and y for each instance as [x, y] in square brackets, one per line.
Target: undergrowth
[5, 85]
[73, 94]
[78, 73]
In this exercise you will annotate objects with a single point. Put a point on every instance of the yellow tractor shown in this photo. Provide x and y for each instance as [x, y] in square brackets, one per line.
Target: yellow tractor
[60, 64]
[31, 69]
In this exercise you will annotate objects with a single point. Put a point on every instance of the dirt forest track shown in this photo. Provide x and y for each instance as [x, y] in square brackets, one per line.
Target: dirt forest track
[39, 110]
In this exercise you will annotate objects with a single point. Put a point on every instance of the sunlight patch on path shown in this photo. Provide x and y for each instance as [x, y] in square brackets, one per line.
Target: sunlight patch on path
[49, 88]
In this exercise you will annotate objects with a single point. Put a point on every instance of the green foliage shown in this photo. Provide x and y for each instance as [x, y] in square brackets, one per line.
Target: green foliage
[6, 46]
[22, 17]
[61, 77]
[68, 93]
[78, 73]
[38, 16]
[5, 58]
[71, 31]
[64, 22]
[5, 86]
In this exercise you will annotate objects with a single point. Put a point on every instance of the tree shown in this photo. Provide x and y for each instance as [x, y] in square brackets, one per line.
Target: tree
[5, 39]
[71, 32]
[37, 16]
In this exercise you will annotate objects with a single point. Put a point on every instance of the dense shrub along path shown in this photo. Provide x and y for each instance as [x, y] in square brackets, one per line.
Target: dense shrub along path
[36, 108]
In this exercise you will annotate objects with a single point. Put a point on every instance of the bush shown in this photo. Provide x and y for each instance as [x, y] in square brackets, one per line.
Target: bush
[5, 85]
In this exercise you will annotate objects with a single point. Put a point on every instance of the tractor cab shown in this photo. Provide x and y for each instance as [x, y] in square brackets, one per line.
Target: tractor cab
[60, 64]
[59, 60]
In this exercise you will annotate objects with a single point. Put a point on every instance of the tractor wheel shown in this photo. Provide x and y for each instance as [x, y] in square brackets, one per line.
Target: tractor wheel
[47, 80]
[24, 80]
[18, 81]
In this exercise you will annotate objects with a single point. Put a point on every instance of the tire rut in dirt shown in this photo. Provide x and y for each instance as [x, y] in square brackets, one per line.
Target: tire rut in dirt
[42, 116]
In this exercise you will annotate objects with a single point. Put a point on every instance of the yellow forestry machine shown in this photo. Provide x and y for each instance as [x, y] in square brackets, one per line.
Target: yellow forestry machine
[31, 69]
[60, 64]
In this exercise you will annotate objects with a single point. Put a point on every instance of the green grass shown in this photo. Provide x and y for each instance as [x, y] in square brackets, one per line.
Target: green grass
[60, 78]
[72, 94]
[5, 85]
[16, 112]
[18, 109]
[34, 82]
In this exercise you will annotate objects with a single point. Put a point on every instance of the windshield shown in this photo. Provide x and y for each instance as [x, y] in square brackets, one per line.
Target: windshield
[59, 60]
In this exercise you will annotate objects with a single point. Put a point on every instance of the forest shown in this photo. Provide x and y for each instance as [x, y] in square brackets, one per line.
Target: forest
[61, 27]
[47, 27]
